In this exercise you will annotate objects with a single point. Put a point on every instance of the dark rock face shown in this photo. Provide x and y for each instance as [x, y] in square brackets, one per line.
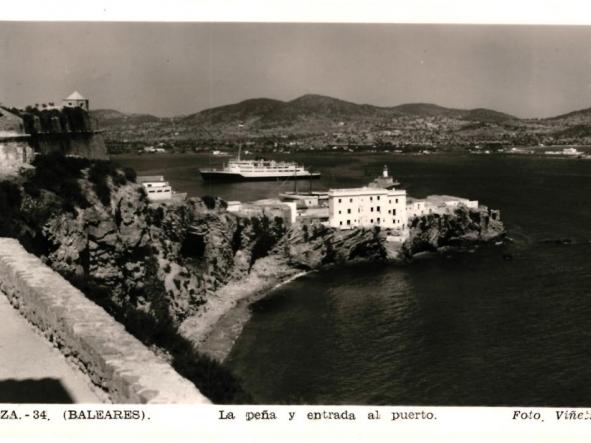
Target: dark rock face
[311, 246]
[160, 259]
[463, 227]
[314, 245]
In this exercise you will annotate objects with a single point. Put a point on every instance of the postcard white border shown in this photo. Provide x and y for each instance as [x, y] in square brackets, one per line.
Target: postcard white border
[200, 423]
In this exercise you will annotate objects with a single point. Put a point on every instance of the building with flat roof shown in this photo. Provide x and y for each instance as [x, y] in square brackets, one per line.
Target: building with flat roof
[437, 204]
[156, 187]
[416, 207]
[378, 204]
[367, 207]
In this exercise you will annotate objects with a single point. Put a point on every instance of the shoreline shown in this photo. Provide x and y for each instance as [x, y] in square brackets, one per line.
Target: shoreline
[214, 330]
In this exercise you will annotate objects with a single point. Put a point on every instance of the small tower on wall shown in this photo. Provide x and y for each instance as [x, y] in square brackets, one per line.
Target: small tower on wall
[75, 100]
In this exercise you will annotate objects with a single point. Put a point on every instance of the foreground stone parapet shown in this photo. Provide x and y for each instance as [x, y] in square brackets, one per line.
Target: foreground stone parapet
[113, 359]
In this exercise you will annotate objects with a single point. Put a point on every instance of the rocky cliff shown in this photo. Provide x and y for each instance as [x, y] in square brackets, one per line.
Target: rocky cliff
[463, 227]
[311, 246]
[156, 267]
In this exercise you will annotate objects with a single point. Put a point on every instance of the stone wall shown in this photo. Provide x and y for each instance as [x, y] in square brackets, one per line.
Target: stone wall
[113, 359]
[88, 145]
[13, 155]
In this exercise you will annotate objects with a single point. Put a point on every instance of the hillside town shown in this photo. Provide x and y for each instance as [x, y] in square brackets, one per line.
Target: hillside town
[319, 123]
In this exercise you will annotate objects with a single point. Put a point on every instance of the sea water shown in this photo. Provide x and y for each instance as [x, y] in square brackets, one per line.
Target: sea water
[504, 325]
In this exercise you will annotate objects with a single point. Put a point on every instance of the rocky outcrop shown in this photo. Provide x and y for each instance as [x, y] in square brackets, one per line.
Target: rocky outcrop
[314, 245]
[464, 227]
[311, 246]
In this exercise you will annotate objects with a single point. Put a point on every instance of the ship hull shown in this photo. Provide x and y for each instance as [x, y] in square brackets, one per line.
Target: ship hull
[231, 177]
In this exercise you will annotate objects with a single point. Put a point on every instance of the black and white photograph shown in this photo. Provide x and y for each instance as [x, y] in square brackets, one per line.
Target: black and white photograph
[241, 213]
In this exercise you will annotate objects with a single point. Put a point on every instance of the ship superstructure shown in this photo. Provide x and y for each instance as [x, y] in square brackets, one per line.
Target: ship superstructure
[261, 169]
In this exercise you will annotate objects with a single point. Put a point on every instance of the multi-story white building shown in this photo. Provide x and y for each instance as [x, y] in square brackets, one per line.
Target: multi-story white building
[366, 207]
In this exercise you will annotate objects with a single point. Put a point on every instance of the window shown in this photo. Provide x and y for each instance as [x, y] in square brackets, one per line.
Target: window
[371, 209]
[348, 211]
[389, 211]
[396, 200]
[348, 222]
[339, 212]
[394, 220]
[370, 199]
[389, 202]
[350, 200]
[394, 213]
[378, 209]
[378, 197]
[378, 219]
[339, 200]
[341, 223]
[371, 221]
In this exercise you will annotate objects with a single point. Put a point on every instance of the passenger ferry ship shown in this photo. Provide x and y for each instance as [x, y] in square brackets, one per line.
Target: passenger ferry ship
[239, 170]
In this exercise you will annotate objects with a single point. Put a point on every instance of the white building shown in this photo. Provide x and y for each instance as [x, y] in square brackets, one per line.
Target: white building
[416, 208]
[437, 204]
[378, 204]
[75, 100]
[366, 207]
[234, 206]
[156, 187]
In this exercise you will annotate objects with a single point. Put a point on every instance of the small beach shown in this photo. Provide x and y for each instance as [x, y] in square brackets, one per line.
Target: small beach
[215, 329]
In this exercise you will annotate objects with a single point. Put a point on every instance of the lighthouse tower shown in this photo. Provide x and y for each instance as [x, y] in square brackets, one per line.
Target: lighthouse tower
[384, 181]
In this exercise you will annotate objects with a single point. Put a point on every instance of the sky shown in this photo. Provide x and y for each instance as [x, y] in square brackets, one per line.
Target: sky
[169, 69]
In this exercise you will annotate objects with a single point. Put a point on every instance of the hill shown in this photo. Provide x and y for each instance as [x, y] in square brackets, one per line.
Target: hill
[579, 117]
[111, 117]
[319, 121]
[312, 108]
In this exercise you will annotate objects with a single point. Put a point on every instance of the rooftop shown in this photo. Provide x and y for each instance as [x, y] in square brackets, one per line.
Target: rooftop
[444, 198]
[76, 96]
[149, 178]
[365, 190]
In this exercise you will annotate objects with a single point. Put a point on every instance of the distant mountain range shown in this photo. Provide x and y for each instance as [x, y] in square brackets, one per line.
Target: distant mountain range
[329, 118]
[265, 112]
